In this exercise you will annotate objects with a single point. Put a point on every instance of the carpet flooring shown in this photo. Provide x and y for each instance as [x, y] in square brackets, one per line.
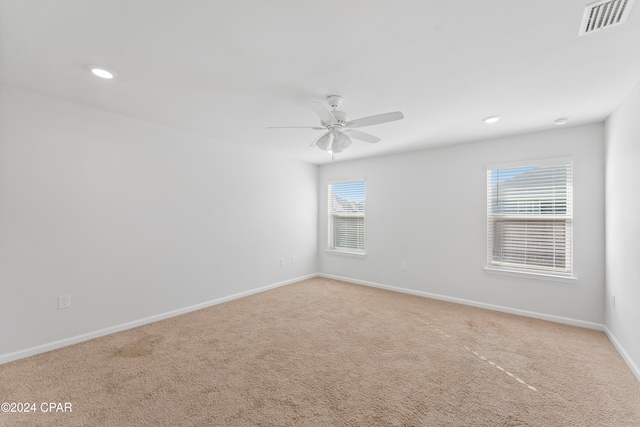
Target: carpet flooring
[327, 353]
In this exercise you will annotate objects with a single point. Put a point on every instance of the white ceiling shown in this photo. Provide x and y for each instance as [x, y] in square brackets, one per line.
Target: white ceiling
[227, 69]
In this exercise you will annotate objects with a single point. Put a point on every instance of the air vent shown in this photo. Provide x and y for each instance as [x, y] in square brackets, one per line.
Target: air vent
[604, 14]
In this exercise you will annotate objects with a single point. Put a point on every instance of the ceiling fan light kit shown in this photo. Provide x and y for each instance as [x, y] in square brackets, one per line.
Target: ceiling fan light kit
[324, 142]
[338, 127]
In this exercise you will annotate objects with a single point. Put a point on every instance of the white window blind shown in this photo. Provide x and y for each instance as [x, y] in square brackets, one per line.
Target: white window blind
[346, 208]
[530, 218]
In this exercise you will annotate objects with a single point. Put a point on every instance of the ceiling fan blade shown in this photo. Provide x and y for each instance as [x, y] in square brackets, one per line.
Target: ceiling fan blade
[362, 136]
[323, 112]
[374, 120]
[295, 127]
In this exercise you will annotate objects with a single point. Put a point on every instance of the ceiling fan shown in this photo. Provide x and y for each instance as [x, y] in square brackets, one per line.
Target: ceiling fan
[338, 128]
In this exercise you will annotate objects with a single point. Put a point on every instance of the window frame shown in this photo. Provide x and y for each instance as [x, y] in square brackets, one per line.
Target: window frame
[533, 270]
[332, 248]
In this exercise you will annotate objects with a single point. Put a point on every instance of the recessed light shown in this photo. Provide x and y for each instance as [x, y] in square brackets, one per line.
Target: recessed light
[491, 119]
[561, 121]
[102, 73]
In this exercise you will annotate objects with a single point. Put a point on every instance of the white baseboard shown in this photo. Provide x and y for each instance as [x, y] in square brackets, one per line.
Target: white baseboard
[625, 356]
[20, 354]
[542, 316]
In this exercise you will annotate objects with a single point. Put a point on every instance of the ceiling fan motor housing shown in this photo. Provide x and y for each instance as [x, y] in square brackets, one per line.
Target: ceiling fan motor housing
[341, 117]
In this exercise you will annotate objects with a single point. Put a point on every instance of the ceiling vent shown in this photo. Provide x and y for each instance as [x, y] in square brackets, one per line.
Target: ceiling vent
[604, 14]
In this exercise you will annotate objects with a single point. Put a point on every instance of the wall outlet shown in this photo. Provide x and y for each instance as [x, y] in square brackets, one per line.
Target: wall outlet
[293, 260]
[64, 301]
[403, 266]
[281, 262]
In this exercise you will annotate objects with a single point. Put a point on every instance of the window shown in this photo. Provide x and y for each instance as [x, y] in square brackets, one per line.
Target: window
[346, 216]
[530, 216]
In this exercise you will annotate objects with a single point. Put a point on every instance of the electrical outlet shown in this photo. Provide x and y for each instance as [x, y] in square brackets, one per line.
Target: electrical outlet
[281, 262]
[64, 301]
[293, 260]
[403, 266]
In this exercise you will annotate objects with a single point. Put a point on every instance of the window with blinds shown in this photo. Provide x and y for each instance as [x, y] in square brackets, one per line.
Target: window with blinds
[529, 218]
[346, 201]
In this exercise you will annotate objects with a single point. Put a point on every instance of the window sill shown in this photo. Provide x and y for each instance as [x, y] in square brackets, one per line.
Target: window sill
[531, 275]
[353, 254]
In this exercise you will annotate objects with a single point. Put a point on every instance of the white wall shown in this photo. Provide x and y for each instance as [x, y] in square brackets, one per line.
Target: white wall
[623, 228]
[134, 220]
[428, 209]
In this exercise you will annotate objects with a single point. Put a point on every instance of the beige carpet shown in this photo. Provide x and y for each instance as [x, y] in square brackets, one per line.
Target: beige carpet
[327, 353]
